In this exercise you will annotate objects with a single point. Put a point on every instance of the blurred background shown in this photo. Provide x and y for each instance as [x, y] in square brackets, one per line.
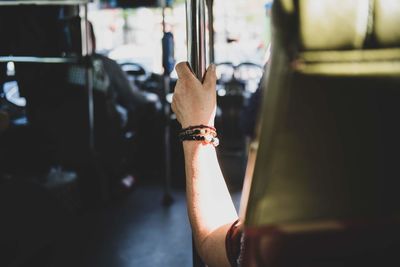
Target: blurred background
[241, 32]
[91, 169]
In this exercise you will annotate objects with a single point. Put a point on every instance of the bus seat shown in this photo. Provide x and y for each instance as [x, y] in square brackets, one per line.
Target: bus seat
[323, 189]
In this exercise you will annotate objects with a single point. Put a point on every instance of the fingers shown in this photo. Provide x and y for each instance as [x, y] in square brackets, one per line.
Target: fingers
[185, 74]
[210, 78]
[183, 71]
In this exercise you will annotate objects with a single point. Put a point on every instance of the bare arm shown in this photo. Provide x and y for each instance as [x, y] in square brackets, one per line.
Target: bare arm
[210, 208]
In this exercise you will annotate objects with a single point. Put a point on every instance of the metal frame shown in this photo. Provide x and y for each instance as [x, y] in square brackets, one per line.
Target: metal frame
[29, 59]
[46, 2]
[83, 10]
[51, 60]
[84, 57]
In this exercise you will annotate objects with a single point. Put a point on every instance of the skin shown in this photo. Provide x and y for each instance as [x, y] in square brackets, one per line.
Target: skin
[210, 207]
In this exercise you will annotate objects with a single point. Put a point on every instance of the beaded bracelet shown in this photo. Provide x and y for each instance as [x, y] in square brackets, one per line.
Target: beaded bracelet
[208, 139]
[202, 132]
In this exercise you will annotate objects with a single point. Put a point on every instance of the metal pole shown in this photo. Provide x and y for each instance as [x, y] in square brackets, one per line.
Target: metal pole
[94, 170]
[196, 47]
[195, 32]
[89, 73]
[211, 33]
[167, 199]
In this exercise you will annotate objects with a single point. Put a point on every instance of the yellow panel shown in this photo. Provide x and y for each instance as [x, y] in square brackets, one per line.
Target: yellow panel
[387, 22]
[374, 62]
[333, 24]
[288, 6]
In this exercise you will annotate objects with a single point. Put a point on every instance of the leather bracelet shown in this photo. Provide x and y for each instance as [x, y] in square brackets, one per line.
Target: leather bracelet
[198, 132]
[208, 139]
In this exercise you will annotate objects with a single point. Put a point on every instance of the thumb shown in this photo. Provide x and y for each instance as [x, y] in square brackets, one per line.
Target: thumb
[210, 78]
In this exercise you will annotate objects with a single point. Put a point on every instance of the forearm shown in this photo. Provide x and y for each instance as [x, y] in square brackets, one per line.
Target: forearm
[210, 207]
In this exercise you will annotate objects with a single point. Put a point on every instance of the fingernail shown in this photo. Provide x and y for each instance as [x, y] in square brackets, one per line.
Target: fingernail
[212, 67]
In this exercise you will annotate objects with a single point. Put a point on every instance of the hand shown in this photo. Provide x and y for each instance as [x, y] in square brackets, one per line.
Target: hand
[194, 103]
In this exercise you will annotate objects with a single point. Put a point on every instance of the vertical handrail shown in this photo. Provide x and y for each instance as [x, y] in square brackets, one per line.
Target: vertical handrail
[86, 47]
[167, 199]
[94, 168]
[196, 48]
[195, 32]
[211, 33]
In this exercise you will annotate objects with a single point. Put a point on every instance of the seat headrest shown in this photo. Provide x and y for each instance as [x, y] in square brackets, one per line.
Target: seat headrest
[343, 24]
[340, 37]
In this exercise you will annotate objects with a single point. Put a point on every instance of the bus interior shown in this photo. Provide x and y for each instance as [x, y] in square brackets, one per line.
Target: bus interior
[91, 167]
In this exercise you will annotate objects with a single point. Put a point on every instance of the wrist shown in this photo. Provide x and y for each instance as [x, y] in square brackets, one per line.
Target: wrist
[192, 146]
[187, 125]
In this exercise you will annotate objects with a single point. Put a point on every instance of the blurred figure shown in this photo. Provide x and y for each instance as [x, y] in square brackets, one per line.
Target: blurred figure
[137, 103]
[141, 113]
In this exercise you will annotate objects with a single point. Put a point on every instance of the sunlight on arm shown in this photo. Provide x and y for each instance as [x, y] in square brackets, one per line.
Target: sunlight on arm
[211, 205]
